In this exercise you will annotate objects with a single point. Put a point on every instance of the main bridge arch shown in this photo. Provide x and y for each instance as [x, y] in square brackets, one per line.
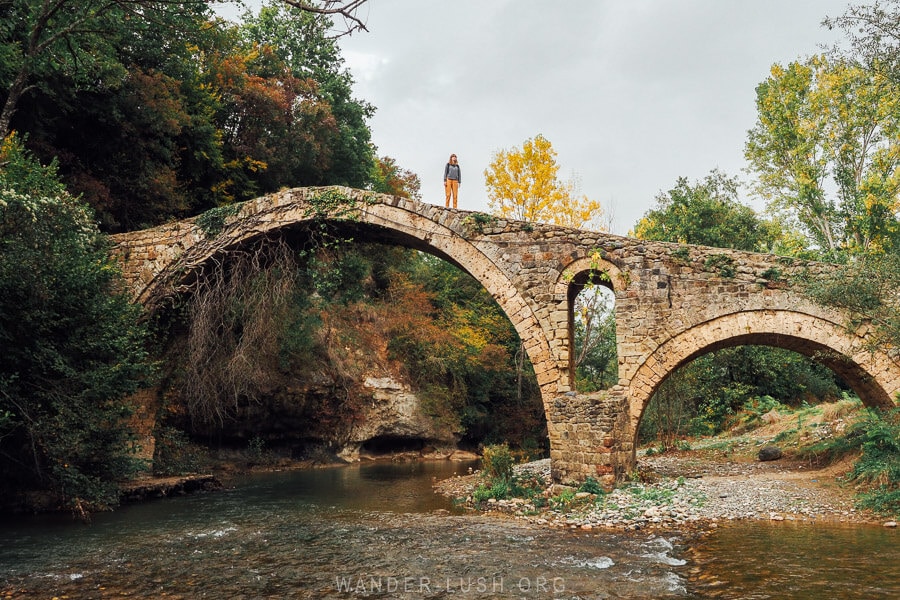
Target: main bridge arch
[180, 251]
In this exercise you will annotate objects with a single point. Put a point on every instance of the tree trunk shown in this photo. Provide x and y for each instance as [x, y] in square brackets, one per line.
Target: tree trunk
[12, 100]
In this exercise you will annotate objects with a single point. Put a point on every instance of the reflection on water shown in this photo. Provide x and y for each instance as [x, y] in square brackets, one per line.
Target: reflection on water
[377, 532]
[359, 532]
[798, 561]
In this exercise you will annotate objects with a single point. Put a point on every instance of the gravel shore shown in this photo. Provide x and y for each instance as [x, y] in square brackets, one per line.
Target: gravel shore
[686, 491]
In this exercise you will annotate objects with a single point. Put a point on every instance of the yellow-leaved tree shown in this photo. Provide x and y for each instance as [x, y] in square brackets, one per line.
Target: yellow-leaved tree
[523, 183]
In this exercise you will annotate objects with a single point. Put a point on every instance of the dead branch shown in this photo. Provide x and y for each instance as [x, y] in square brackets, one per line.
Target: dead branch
[346, 9]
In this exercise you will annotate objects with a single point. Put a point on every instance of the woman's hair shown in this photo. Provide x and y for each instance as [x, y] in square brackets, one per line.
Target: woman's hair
[452, 156]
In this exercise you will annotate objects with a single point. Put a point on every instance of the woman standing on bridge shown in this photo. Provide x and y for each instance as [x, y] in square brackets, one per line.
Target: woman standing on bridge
[452, 178]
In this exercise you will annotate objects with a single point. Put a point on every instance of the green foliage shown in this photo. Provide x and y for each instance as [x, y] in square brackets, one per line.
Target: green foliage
[760, 405]
[682, 253]
[826, 152]
[703, 396]
[591, 486]
[477, 221]
[336, 137]
[875, 437]
[73, 347]
[706, 213]
[772, 274]
[879, 465]
[213, 221]
[563, 500]
[653, 495]
[596, 352]
[722, 264]
[867, 290]
[158, 112]
[499, 481]
[175, 454]
[497, 462]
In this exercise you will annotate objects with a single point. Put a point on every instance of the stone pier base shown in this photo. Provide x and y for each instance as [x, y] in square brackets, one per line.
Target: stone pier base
[590, 437]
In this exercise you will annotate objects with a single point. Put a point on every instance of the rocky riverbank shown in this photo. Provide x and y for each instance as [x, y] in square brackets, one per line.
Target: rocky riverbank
[683, 490]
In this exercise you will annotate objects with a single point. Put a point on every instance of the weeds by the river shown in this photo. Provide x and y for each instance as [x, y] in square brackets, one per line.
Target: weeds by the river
[877, 436]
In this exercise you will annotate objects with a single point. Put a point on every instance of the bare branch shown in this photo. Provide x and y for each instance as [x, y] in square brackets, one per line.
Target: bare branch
[347, 9]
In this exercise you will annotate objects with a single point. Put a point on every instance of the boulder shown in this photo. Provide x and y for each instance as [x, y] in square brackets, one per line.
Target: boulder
[769, 453]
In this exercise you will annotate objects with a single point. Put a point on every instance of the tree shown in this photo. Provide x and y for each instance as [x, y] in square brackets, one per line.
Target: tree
[874, 34]
[43, 38]
[523, 184]
[39, 38]
[389, 178]
[596, 366]
[706, 213]
[826, 149]
[301, 42]
[73, 347]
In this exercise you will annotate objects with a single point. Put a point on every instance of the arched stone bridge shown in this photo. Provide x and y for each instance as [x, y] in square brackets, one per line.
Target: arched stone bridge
[673, 302]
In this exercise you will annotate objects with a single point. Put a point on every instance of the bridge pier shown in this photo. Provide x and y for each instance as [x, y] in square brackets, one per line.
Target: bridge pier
[590, 437]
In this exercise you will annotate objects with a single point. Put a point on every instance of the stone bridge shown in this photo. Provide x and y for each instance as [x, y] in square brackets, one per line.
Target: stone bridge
[673, 302]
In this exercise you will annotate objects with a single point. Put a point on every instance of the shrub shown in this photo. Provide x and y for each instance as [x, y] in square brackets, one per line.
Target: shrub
[175, 454]
[879, 465]
[497, 462]
[591, 486]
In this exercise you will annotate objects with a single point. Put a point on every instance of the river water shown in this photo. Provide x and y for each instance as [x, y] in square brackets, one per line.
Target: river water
[378, 531]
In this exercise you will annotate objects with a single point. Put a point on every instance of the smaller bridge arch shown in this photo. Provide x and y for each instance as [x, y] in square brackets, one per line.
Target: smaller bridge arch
[871, 374]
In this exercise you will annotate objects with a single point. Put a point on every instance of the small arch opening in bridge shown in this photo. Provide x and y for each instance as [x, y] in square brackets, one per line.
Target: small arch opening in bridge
[593, 352]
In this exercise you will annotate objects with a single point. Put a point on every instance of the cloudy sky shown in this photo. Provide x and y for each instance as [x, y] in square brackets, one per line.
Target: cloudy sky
[631, 93]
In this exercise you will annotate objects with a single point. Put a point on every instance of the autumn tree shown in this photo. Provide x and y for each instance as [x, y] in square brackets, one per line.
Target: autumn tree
[300, 40]
[523, 183]
[826, 151]
[390, 178]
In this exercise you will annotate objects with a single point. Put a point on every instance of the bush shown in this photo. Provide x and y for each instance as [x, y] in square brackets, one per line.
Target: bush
[591, 486]
[497, 463]
[879, 465]
[176, 455]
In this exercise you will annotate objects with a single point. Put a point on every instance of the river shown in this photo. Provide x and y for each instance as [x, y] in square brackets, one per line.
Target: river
[378, 531]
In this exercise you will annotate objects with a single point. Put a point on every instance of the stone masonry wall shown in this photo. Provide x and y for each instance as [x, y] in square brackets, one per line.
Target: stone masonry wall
[673, 303]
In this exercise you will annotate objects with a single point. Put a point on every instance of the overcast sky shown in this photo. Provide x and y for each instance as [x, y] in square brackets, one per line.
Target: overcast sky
[631, 93]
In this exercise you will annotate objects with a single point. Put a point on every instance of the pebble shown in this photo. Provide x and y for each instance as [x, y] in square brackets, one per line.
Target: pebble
[721, 492]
